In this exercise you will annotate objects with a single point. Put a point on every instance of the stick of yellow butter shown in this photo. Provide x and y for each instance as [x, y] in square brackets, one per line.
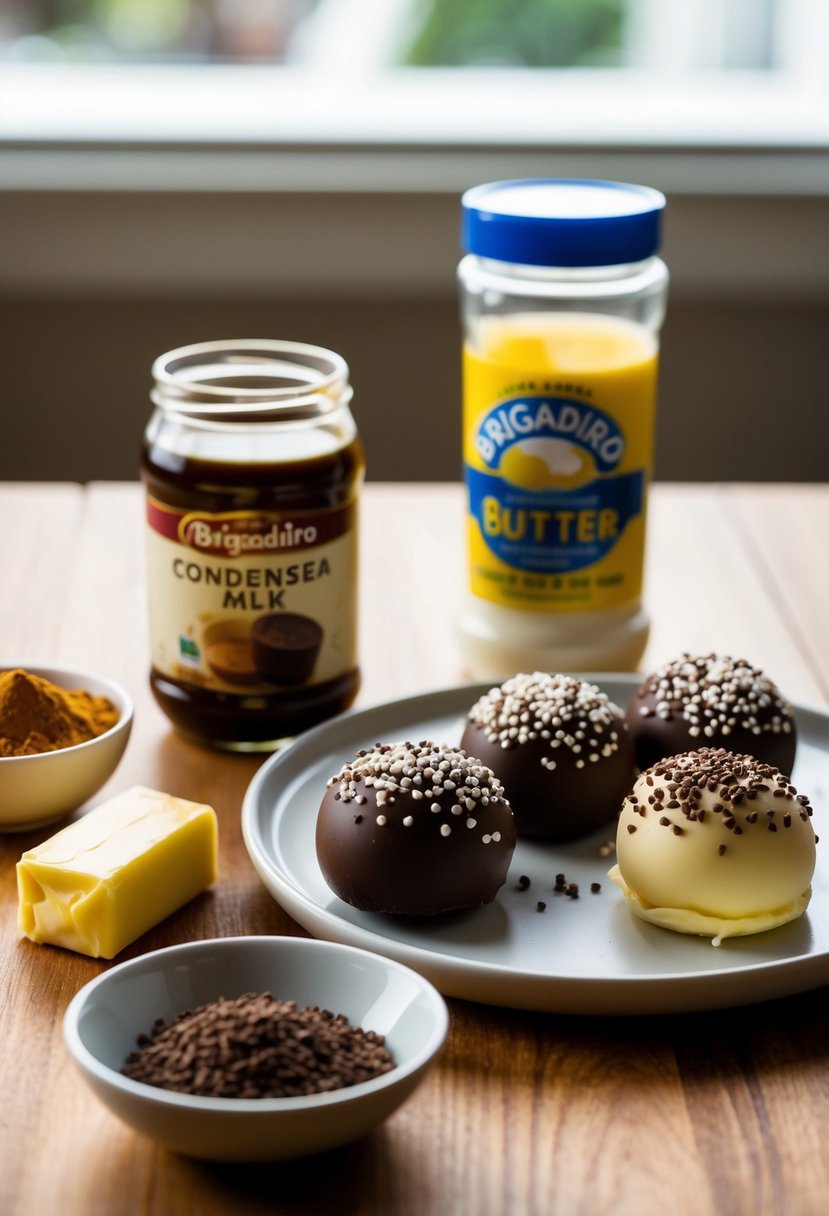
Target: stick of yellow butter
[110, 876]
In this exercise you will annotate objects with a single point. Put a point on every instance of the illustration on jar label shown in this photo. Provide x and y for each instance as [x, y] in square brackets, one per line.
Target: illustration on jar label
[545, 503]
[557, 428]
[252, 601]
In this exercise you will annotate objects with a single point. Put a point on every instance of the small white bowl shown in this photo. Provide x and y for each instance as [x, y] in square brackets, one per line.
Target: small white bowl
[36, 790]
[104, 1019]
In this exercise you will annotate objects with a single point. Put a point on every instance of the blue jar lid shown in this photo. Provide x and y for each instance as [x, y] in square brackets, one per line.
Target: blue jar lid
[562, 222]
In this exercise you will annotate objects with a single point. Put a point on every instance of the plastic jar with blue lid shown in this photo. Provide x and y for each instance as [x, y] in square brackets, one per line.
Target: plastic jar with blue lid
[563, 295]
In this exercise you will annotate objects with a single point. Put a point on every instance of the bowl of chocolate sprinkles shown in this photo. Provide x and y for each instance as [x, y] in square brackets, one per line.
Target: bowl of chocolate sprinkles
[255, 1048]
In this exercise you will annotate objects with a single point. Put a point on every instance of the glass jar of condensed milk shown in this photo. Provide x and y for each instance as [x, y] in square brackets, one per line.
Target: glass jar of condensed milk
[563, 295]
[252, 467]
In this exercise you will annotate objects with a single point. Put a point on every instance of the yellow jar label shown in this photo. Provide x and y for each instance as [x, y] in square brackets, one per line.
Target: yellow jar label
[252, 602]
[558, 437]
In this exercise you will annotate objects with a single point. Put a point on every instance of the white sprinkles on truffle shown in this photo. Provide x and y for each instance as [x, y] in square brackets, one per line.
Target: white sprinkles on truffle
[715, 694]
[423, 772]
[569, 713]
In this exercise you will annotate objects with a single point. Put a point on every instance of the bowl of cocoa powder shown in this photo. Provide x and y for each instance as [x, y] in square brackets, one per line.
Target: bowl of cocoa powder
[255, 1048]
[63, 732]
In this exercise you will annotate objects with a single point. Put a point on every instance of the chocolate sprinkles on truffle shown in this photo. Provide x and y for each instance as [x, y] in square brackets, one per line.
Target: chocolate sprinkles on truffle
[736, 777]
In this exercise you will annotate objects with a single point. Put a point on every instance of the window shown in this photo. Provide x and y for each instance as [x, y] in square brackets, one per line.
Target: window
[674, 34]
[392, 99]
[520, 71]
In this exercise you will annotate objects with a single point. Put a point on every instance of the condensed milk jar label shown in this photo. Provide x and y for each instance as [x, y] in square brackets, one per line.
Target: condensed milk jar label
[252, 601]
[557, 466]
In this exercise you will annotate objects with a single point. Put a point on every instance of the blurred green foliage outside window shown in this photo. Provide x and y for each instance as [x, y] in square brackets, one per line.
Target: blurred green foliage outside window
[434, 33]
[519, 33]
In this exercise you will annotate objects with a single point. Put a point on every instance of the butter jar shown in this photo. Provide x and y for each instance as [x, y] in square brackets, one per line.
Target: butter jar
[562, 297]
[252, 467]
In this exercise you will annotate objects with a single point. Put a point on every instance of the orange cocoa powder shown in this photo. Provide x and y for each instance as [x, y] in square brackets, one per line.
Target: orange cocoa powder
[38, 716]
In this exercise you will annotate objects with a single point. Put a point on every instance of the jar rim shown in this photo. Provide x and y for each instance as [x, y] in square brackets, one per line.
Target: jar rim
[209, 377]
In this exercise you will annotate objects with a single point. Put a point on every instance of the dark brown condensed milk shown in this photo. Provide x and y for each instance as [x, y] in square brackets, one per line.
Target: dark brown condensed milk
[252, 466]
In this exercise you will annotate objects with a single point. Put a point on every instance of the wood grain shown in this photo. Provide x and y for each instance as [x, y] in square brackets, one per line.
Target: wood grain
[525, 1114]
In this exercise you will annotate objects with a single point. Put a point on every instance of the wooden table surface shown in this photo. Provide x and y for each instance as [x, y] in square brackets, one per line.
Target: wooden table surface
[524, 1114]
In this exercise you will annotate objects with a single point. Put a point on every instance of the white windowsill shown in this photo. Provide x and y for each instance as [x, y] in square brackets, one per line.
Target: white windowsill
[252, 105]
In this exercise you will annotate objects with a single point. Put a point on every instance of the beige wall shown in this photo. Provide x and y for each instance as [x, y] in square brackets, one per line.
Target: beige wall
[99, 275]
[743, 392]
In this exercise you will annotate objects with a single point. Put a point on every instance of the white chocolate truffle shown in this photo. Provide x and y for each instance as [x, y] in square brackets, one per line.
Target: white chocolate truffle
[715, 844]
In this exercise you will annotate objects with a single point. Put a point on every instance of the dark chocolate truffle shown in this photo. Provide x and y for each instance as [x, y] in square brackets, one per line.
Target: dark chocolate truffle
[711, 701]
[561, 749]
[414, 830]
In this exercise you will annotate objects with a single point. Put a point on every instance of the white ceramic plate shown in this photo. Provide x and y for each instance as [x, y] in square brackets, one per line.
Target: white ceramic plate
[588, 955]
